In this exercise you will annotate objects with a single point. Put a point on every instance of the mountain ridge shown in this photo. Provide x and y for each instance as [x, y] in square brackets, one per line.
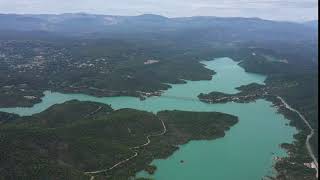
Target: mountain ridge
[212, 28]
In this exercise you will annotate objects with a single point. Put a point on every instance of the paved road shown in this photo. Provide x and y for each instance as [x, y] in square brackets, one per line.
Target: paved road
[134, 149]
[310, 151]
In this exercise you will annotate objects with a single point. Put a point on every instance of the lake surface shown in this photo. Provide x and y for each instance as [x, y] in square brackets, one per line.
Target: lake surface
[245, 153]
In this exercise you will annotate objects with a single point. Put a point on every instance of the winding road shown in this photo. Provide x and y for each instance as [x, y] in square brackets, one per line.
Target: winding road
[93, 112]
[134, 149]
[311, 153]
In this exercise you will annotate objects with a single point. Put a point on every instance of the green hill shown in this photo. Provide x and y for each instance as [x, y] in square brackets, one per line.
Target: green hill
[71, 138]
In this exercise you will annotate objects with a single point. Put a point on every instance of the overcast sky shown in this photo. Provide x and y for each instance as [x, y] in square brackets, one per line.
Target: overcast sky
[292, 10]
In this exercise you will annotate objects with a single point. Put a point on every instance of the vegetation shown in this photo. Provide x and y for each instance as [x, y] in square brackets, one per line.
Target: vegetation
[291, 69]
[108, 60]
[151, 169]
[97, 67]
[248, 93]
[69, 139]
[7, 117]
[301, 92]
[293, 89]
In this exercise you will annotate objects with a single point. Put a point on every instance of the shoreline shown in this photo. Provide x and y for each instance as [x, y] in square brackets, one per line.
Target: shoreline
[274, 99]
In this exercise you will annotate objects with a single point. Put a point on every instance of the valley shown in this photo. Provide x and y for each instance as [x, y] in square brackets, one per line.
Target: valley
[85, 96]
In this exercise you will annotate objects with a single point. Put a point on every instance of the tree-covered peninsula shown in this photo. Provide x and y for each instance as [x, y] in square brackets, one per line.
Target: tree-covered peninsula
[81, 140]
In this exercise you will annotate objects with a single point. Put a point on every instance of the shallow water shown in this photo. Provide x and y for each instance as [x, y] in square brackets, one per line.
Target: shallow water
[245, 153]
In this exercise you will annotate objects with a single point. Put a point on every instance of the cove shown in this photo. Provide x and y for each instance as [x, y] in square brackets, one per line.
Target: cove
[245, 153]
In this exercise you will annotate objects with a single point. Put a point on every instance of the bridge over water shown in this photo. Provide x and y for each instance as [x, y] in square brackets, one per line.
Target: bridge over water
[149, 94]
[183, 98]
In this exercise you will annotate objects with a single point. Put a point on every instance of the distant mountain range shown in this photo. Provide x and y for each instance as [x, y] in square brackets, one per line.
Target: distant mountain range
[213, 28]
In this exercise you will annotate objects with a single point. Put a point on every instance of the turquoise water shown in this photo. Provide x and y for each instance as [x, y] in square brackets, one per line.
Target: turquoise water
[245, 153]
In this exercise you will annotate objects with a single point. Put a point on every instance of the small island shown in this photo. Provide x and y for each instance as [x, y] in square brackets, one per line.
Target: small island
[151, 169]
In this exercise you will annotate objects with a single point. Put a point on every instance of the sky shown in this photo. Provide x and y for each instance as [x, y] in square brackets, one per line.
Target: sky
[288, 10]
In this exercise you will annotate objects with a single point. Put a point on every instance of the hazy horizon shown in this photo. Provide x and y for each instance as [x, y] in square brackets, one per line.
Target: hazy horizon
[26, 14]
[279, 10]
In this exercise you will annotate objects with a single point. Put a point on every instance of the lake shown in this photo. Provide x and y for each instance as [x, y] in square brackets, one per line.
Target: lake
[245, 153]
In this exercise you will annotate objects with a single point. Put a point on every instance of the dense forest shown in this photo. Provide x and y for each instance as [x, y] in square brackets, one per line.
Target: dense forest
[119, 55]
[75, 137]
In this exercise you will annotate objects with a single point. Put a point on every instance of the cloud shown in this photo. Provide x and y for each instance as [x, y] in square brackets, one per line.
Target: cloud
[296, 10]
